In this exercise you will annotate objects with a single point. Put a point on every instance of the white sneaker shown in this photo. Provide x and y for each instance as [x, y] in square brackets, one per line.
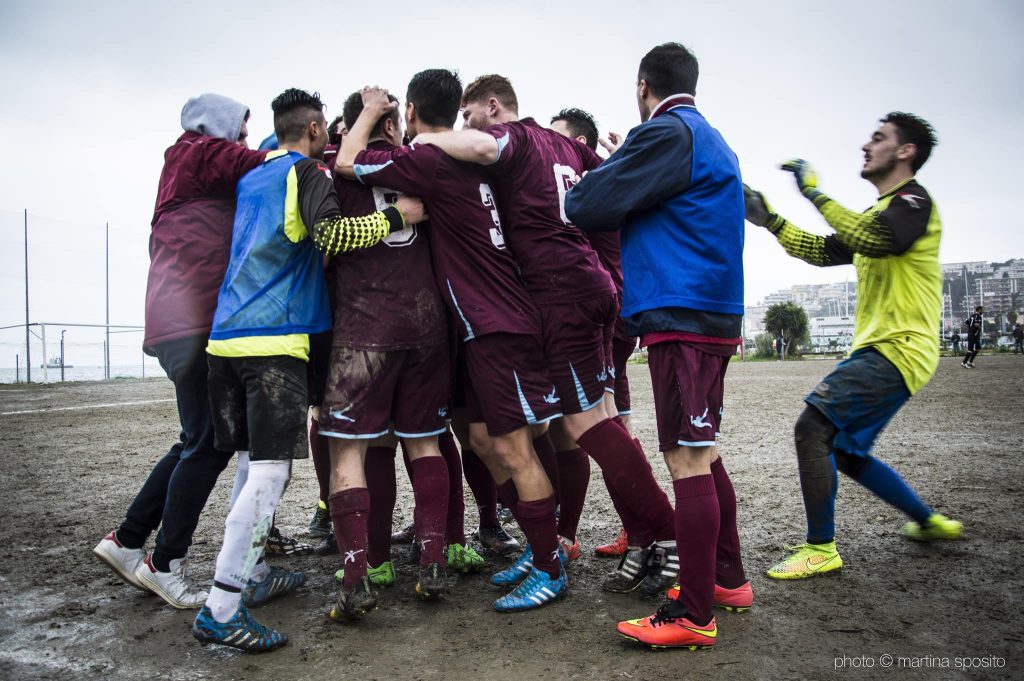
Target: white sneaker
[176, 587]
[122, 560]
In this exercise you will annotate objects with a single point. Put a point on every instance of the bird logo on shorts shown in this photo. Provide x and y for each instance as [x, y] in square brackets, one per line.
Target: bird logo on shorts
[350, 556]
[603, 376]
[443, 412]
[699, 421]
[552, 398]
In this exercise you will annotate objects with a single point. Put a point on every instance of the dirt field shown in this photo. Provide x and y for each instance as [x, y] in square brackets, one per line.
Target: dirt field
[66, 478]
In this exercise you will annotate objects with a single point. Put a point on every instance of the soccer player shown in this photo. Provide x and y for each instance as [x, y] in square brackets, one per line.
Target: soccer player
[895, 247]
[533, 169]
[581, 126]
[389, 369]
[673, 189]
[973, 324]
[508, 389]
[273, 296]
[189, 250]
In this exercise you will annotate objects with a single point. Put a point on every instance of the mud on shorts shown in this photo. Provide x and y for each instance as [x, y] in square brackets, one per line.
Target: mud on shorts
[860, 397]
[369, 392]
[688, 392]
[507, 385]
[259, 404]
[577, 338]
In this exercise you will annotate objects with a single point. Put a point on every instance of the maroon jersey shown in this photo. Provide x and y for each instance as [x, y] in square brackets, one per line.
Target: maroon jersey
[534, 170]
[384, 297]
[475, 271]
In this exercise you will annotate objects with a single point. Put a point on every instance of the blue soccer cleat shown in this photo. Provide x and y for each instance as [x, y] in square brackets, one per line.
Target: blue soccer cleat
[536, 590]
[278, 583]
[241, 631]
[517, 571]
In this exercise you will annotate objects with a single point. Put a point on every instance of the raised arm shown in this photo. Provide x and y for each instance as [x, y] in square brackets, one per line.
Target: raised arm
[820, 251]
[375, 105]
[472, 146]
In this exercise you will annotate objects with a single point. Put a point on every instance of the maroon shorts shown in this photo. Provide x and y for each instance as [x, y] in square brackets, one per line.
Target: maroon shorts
[370, 392]
[577, 337]
[507, 385]
[688, 390]
[622, 349]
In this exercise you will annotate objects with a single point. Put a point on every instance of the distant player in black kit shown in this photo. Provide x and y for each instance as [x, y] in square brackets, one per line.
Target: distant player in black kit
[973, 324]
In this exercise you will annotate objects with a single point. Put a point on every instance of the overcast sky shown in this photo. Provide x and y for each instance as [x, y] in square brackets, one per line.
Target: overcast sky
[92, 94]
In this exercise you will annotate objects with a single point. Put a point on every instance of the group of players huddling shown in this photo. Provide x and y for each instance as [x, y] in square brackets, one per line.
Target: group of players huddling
[499, 275]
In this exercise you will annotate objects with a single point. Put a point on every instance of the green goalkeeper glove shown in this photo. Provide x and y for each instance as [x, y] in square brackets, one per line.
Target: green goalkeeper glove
[759, 213]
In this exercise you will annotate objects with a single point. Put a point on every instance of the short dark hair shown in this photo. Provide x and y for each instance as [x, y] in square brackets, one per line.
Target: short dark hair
[669, 69]
[911, 129]
[580, 123]
[492, 85]
[354, 106]
[437, 96]
[294, 109]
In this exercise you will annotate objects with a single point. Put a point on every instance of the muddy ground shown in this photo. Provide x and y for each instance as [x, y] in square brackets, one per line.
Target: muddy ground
[66, 478]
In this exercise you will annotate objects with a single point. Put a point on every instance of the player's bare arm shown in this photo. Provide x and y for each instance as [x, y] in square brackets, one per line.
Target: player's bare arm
[472, 146]
[375, 105]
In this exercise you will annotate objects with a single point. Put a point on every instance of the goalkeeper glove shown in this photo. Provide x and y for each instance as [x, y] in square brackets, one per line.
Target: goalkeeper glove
[806, 178]
[758, 211]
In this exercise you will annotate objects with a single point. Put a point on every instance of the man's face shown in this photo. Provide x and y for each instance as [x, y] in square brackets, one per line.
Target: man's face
[882, 152]
[393, 129]
[476, 115]
[320, 138]
[243, 134]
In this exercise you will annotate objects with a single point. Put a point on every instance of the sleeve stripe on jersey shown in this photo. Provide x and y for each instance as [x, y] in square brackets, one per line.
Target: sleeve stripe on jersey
[360, 170]
[502, 143]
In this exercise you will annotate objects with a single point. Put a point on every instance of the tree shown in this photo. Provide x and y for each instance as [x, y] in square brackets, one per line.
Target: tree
[790, 321]
[1011, 318]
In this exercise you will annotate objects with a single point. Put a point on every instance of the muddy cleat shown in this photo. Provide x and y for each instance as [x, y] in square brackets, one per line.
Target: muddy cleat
[739, 599]
[464, 559]
[176, 587]
[670, 628]
[382, 575]
[328, 547]
[505, 515]
[633, 568]
[120, 559]
[937, 527]
[808, 561]
[280, 545]
[404, 535]
[496, 540]
[320, 523]
[278, 583]
[537, 589]
[517, 571]
[616, 547]
[353, 604]
[571, 549]
[241, 631]
[663, 569]
[433, 583]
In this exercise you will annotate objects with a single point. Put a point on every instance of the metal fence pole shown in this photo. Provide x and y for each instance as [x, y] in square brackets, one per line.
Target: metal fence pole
[28, 338]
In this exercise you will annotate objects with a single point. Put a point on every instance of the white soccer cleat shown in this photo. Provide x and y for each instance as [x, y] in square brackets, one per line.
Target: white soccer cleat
[120, 559]
[176, 587]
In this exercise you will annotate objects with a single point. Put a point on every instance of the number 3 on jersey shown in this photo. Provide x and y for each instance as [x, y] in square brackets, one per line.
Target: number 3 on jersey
[487, 197]
[565, 179]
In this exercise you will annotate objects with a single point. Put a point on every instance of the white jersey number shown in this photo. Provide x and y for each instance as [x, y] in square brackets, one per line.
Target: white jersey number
[565, 179]
[487, 198]
[403, 237]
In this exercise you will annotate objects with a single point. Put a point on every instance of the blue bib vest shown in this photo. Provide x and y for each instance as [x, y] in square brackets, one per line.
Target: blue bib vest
[273, 286]
[688, 251]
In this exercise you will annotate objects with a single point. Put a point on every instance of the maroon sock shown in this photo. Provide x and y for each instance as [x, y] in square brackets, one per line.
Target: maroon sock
[546, 453]
[667, 531]
[481, 484]
[728, 561]
[697, 523]
[625, 467]
[455, 523]
[349, 510]
[509, 496]
[430, 490]
[537, 520]
[380, 484]
[321, 452]
[573, 480]
[636, 530]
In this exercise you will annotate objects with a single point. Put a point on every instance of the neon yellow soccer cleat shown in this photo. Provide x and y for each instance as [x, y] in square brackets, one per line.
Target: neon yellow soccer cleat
[936, 527]
[809, 560]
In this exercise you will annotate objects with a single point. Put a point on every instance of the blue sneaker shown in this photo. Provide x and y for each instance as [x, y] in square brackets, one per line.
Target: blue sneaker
[536, 590]
[278, 583]
[241, 631]
[517, 571]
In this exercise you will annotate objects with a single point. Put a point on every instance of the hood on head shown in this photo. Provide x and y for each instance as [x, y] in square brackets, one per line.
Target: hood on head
[214, 115]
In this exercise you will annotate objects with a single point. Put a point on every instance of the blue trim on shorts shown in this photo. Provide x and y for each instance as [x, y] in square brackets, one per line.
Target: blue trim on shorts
[416, 435]
[347, 436]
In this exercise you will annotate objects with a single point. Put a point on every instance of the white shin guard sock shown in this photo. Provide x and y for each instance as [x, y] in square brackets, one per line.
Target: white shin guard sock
[245, 533]
[241, 475]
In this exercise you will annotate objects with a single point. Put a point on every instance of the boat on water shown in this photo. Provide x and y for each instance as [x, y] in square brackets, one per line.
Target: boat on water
[54, 363]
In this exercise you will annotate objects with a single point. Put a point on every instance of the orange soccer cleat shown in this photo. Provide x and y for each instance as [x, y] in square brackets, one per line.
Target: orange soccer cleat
[739, 599]
[670, 628]
[616, 547]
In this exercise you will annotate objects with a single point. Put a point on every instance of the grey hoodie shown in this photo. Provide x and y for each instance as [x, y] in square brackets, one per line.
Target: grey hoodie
[214, 115]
